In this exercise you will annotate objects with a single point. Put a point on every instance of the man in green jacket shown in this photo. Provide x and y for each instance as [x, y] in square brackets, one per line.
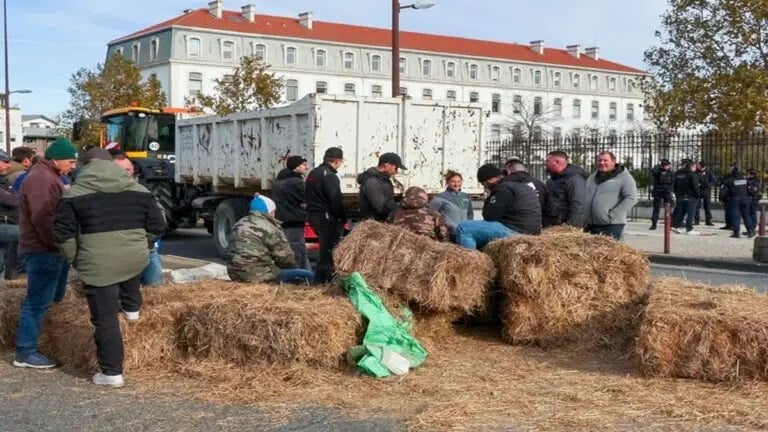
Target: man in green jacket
[104, 225]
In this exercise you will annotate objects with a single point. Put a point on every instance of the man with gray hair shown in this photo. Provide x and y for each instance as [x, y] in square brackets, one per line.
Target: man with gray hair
[516, 170]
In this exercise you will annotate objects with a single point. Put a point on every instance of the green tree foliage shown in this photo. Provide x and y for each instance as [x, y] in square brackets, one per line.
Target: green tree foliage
[711, 66]
[250, 87]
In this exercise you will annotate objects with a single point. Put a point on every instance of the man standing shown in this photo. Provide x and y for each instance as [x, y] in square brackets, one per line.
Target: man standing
[9, 219]
[611, 194]
[325, 210]
[511, 208]
[377, 195]
[661, 190]
[754, 187]
[46, 268]
[517, 171]
[737, 196]
[567, 189]
[706, 181]
[288, 191]
[105, 221]
[687, 195]
[22, 160]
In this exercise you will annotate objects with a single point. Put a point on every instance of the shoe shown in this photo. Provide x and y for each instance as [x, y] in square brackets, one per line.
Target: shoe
[710, 224]
[132, 316]
[725, 228]
[115, 381]
[35, 361]
[652, 228]
[692, 232]
[751, 234]
[677, 230]
[735, 236]
[697, 223]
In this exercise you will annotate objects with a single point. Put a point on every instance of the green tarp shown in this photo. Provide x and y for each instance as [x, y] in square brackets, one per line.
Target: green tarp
[384, 335]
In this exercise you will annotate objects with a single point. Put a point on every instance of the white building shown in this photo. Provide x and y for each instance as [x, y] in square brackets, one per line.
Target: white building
[39, 130]
[16, 131]
[565, 89]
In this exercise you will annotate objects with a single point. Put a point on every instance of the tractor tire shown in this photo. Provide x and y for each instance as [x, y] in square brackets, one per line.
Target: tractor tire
[227, 214]
[162, 191]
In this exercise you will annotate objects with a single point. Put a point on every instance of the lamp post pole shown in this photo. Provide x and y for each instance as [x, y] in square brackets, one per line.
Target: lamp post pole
[396, 8]
[7, 89]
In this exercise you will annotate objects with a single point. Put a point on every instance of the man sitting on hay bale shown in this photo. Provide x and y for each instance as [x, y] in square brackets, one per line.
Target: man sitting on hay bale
[511, 208]
[415, 216]
[259, 251]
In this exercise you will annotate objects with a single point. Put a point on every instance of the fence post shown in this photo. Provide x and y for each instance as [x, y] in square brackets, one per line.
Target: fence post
[667, 228]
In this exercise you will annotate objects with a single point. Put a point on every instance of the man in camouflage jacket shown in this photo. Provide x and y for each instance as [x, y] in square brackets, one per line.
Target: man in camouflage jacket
[415, 215]
[258, 249]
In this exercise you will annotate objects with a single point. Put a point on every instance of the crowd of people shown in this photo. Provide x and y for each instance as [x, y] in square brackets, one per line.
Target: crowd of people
[63, 210]
[689, 189]
[264, 248]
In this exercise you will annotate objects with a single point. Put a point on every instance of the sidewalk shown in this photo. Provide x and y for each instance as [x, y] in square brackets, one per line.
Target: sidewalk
[712, 248]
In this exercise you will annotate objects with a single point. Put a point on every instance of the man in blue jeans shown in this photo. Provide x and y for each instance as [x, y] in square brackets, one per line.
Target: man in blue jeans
[511, 208]
[47, 269]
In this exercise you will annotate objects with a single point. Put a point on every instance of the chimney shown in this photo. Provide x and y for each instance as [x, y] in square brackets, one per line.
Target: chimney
[305, 19]
[249, 12]
[186, 11]
[537, 46]
[592, 52]
[574, 50]
[216, 8]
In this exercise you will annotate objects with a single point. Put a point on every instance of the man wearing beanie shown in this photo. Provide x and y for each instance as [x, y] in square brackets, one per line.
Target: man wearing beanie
[104, 225]
[288, 192]
[46, 268]
[512, 208]
[258, 250]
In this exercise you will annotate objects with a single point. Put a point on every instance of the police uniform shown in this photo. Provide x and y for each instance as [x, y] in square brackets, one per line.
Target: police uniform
[663, 181]
[737, 196]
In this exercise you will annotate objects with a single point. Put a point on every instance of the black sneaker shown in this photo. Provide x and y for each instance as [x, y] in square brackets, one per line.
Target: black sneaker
[725, 228]
[735, 236]
[710, 224]
[652, 228]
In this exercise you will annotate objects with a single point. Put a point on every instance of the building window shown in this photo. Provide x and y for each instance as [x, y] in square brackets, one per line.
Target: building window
[376, 90]
[403, 91]
[612, 111]
[517, 75]
[557, 107]
[260, 52]
[473, 71]
[228, 50]
[576, 81]
[450, 70]
[135, 52]
[227, 78]
[154, 49]
[451, 95]
[517, 104]
[576, 108]
[474, 97]
[321, 87]
[495, 132]
[376, 63]
[426, 68]
[537, 77]
[349, 89]
[290, 56]
[630, 112]
[594, 83]
[556, 79]
[291, 90]
[195, 83]
[426, 94]
[320, 58]
[595, 110]
[537, 106]
[612, 84]
[495, 74]
[630, 86]
[496, 103]
[403, 65]
[349, 61]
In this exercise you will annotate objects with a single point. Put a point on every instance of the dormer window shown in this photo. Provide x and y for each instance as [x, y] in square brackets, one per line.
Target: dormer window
[290, 56]
[349, 61]
[154, 49]
[473, 71]
[495, 74]
[320, 58]
[227, 50]
[450, 70]
[375, 63]
[517, 75]
[135, 49]
[193, 47]
[426, 68]
[260, 52]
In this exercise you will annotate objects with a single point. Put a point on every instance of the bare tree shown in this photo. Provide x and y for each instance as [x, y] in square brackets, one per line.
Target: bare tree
[529, 119]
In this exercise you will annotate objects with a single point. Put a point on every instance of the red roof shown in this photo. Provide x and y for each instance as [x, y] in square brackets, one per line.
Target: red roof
[358, 35]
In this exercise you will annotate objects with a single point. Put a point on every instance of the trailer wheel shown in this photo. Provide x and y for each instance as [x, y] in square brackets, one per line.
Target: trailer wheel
[227, 214]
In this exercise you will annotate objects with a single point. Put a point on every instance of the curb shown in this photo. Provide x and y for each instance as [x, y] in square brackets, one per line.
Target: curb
[678, 260]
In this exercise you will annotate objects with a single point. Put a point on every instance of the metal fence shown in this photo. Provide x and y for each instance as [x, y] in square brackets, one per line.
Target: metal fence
[639, 153]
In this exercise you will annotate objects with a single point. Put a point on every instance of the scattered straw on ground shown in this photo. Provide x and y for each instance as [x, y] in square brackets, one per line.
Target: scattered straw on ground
[570, 288]
[691, 330]
[434, 276]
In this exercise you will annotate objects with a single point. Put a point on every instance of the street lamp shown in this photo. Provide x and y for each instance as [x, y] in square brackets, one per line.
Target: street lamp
[7, 101]
[396, 8]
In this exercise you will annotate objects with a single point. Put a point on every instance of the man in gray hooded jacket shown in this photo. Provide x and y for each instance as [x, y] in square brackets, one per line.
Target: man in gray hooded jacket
[611, 194]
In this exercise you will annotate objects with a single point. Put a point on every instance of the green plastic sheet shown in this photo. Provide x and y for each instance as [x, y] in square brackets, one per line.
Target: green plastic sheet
[383, 333]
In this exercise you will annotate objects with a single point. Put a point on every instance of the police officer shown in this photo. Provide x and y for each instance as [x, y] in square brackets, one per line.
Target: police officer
[755, 191]
[687, 194]
[663, 180]
[325, 210]
[706, 180]
[736, 195]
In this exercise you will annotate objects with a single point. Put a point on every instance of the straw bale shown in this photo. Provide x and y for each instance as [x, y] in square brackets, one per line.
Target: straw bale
[570, 289]
[561, 229]
[273, 326]
[437, 277]
[10, 305]
[692, 330]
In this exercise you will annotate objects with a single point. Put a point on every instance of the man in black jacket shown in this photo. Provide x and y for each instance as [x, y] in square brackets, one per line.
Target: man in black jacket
[325, 210]
[737, 196]
[9, 219]
[567, 189]
[517, 171]
[377, 195]
[663, 181]
[512, 208]
[687, 193]
[706, 181]
[288, 192]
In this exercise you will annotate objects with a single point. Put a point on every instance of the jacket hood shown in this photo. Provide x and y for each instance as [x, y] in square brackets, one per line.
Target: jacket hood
[255, 214]
[518, 177]
[105, 176]
[287, 173]
[370, 172]
[570, 171]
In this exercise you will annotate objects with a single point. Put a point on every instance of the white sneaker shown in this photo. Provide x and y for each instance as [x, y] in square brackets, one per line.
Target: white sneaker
[693, 233]
[132, 316]
[676, 230]
[115, 381]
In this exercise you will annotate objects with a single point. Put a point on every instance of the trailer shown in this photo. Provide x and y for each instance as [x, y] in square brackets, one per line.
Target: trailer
[235, 156]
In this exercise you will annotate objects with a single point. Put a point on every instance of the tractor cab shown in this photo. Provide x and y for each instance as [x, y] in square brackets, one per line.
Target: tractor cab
[141, 133]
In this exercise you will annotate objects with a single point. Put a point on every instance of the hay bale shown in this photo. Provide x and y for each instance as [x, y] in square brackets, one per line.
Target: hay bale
[10, 306]
[433, 276]
[273, 325]
[692, 330]
[570, 289]
[561, 230]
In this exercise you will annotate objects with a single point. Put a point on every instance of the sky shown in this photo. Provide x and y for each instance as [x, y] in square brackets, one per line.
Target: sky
[49, 40]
